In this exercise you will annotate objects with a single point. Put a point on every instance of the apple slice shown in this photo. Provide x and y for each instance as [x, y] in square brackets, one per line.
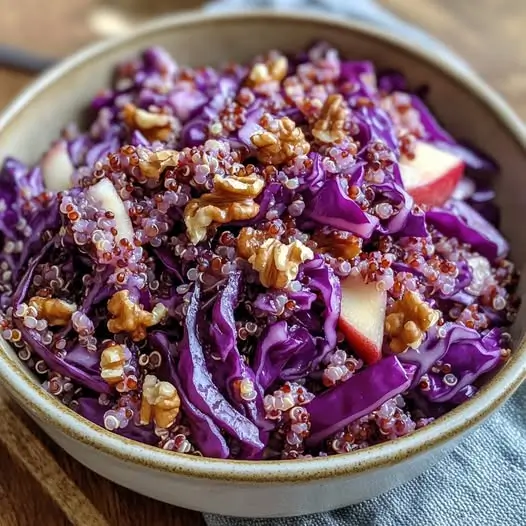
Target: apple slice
[362, 318]
[104, 195]
[432, 175]
[57, 167]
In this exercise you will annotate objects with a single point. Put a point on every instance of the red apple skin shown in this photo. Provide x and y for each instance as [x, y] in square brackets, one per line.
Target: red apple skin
[367, 350]
[362, 318]
[432, 175]
[440, 190]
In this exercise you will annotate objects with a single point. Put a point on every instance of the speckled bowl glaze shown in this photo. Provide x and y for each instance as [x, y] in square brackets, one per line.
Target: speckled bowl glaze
[467, 107]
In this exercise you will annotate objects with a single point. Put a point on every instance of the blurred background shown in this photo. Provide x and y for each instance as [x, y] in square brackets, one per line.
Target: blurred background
[488, 33]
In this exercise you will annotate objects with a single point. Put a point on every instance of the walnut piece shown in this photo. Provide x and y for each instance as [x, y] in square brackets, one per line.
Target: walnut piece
[131, 317]
[232, 199]
[160, 401]
[281, 141]
[277, 263]
[112, 360]
[340, 244]
[274, 69]
[154, 126]
[54, 311]
[249, 240]
[329, 128]
[408, 320]
[153, 164]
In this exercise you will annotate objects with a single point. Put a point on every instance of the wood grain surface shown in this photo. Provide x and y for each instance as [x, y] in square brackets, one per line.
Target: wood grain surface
[35, 474]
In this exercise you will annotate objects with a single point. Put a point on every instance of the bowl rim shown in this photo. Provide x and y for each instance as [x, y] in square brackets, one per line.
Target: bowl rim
[50, 412]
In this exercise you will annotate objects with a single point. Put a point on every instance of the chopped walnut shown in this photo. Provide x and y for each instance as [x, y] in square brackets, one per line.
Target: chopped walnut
[131, 317]
[112, 362]
[277, 263]
[280, 142]
[153, 164]
[249, 240]
[329, 128]
[154, 126]
[160, 401]
[54, 311]
[232, 199]
[408, 320]
[340, 244]
[274, 69]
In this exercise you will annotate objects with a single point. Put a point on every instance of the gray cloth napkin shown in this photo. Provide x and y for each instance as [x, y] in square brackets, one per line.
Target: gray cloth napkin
[483, 481]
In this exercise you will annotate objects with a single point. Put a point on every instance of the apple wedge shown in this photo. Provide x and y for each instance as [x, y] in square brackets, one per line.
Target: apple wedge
[432, 175]
[104, 194]
[57, 167]
[362, 318]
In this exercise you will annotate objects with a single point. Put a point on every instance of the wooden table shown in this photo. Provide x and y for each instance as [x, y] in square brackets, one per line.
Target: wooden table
[489, 34]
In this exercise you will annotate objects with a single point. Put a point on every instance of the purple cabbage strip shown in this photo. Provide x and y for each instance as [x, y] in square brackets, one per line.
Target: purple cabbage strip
[91, 409]
[267, 303]
[461, 282]
[323, 280]
[391, 80]
[280, 348]
[31, 337]
[405, 220]
[197, 383]
[313, 181]
[43, 219]
[223, 327]
[434, 348]
[96, 292]
[458, 219]
[362, 76]
[206, 435]
[375, 125]
[361, 394]
[18, 184]
[332, 206]
[469, 353]
[232, 367]
[170, 262]
[469, 359]
[78, 356]
[101, 150]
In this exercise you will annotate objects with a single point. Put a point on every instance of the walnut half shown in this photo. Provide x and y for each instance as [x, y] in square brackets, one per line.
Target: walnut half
[112, 360]
[338, 243]
[232, 199]
[329, 128]
[160, 401]
[408, 321]
[274, 69]
[130, 317]
[54, 311]
[153, 164]
[281, 141]
[155, 126]
[277, 263]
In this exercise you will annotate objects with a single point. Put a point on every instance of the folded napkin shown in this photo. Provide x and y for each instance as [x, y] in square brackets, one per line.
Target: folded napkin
[483, 481]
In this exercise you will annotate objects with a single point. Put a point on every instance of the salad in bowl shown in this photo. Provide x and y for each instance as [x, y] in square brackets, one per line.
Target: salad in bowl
[284, 259]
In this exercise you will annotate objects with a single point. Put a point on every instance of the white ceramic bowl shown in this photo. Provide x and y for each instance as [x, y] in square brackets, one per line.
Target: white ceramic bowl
[467, 107]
